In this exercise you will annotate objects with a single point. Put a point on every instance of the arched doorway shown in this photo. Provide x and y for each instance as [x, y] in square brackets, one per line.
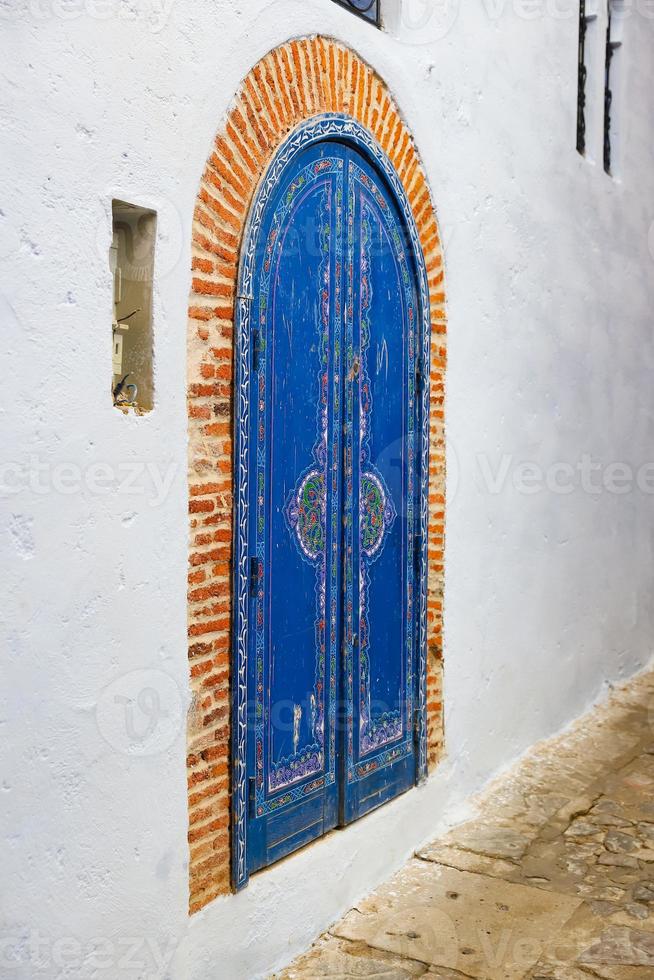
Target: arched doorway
[303, 91]
[332, 434]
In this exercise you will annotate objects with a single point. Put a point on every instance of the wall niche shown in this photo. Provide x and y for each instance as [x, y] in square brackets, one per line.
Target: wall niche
[131, 260]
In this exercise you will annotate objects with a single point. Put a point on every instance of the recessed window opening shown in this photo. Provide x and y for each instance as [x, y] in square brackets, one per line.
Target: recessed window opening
[613, 84]
[586, 65]
[368, 9]
[131, 260]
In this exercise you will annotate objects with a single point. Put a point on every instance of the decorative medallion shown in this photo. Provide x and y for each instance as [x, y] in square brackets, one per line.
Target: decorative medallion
[377, 512]
[305, 514]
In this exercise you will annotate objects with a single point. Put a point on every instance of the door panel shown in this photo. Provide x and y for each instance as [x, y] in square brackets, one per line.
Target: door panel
[381, 481]
[332, 504]
[296, 488]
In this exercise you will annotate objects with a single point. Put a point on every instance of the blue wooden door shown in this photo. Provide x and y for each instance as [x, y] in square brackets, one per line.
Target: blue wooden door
[381, 460]
[332, 510]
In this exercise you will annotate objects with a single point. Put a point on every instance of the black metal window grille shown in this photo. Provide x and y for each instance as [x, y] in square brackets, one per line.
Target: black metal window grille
[611, 46]
[368, 9]
[582, 73]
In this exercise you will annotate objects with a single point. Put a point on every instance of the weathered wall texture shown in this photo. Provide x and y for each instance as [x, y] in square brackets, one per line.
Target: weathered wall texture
[292, 83]
[548, 595]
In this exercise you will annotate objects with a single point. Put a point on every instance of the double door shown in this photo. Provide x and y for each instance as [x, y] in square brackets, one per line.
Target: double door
[333, 506]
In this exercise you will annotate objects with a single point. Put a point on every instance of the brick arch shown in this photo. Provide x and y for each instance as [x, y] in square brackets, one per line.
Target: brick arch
[294, 82]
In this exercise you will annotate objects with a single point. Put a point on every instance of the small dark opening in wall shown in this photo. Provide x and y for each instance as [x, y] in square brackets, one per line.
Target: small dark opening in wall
[613, 82]
[582, 75]
[131, 260]
[368, 9]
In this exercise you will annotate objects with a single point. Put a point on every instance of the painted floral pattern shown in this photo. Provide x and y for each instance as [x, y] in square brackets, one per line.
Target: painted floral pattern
[377, 512]
[305, 509]
[305, 514]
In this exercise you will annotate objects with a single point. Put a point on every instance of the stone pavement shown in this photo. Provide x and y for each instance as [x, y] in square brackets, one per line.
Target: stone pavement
[554, 880]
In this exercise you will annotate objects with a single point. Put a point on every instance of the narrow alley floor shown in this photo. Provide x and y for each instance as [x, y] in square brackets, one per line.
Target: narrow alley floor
[553, 880]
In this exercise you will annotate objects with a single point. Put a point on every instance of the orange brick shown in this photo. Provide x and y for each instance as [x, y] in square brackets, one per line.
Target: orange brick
[200, 506]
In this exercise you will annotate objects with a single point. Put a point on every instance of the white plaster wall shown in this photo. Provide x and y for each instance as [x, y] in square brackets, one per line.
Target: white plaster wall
[549, 596]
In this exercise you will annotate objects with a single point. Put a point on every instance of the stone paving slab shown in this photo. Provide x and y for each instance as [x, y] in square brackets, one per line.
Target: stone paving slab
[484, 927]
[552, 880]
[586, 947]
[334, 958]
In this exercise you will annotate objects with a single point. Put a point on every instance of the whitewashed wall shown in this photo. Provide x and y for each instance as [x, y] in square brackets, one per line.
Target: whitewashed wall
[549, 595]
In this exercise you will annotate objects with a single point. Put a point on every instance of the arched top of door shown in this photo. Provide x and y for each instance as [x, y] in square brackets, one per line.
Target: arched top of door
[304, 90]
[331, 128]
